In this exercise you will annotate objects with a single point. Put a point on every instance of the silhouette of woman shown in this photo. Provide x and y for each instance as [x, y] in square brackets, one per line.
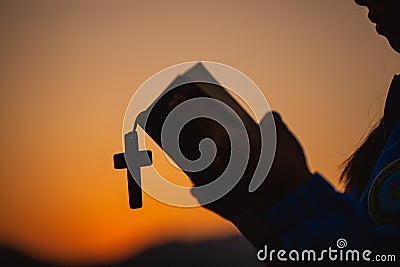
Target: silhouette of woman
[297, 209]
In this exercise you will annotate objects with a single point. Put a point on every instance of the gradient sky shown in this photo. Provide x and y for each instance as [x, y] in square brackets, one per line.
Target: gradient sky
[69, 69]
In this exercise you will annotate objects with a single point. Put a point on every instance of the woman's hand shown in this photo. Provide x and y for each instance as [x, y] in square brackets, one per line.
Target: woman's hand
[289, 168]
[288, 172]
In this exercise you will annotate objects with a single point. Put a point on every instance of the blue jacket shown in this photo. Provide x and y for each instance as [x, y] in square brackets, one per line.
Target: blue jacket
[317, 216]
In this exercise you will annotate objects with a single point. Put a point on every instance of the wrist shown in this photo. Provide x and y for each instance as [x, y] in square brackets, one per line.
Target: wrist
[252, 225]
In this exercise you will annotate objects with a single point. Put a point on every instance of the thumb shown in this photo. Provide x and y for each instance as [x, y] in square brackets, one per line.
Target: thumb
[199, 194]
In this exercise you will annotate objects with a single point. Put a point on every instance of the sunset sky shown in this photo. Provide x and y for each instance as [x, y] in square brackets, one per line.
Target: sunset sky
[70, 68]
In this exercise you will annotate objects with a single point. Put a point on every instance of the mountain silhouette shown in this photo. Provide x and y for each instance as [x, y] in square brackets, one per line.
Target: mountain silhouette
[231, 251]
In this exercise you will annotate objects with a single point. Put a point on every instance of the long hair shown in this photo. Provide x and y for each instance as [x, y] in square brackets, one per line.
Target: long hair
[358, 167]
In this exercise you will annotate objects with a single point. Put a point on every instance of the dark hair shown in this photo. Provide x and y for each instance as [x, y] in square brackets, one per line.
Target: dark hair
[358, 167]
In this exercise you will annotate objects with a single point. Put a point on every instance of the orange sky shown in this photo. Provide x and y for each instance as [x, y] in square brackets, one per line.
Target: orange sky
[69, 69]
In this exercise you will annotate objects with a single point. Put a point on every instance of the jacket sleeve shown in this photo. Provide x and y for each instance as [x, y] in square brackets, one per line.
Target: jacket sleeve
[317, 216]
